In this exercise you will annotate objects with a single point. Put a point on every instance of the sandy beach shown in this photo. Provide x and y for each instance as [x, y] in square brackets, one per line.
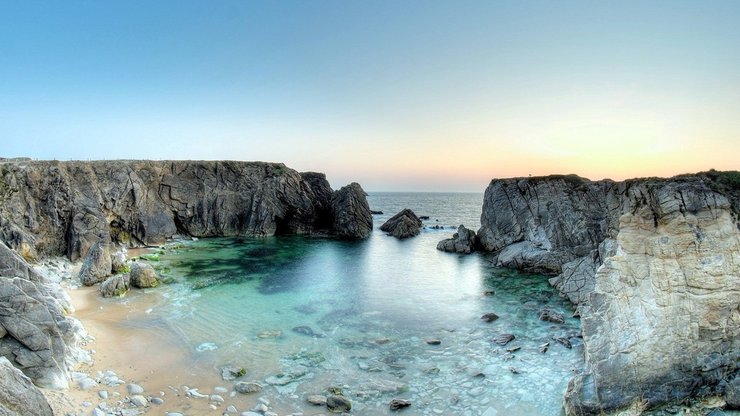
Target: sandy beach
[139, 350]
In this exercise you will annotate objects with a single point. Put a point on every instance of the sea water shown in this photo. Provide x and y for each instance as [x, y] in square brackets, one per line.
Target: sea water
[306, 314]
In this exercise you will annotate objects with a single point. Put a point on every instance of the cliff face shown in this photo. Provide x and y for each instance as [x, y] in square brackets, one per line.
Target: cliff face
[654, 265]
[65, 207]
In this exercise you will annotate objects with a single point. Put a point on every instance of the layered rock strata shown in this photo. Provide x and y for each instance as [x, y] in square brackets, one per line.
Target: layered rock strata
[18, 395]
[51, 208]
[654, 265]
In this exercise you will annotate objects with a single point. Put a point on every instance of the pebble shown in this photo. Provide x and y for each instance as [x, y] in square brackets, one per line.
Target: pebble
[134, 389]
[261, 408]
[250, 414]
[216, 398]
[316, 399]
[157, 400]
[195, 393]
[433, 341]
[139, 400]
[86, 404]
[87, 383]
[103, 394]
[231, 409]
[173, 414]
[220, 390]
[98, 412]
[246, 387]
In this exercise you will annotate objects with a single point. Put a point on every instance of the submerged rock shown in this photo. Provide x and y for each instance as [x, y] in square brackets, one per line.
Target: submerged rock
[464, 241]
[316, 399]
[338, 404]
[503, 339]
[403, 225]
[550, 315]
[489, 317]
[397, 404]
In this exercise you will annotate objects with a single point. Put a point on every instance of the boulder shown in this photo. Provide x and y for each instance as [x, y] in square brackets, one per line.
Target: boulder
[118, 261]
[352, 219]
[114, 286]
[18, 395]
[403, 225]
[464, 241]
[97, 264]
[143, 275]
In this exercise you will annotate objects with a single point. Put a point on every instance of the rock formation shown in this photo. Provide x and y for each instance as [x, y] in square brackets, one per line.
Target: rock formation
[51, 208]
[36, 336]
[351, 213]
[18, 395]
[143, 275]
[97, 264]
[463, 241]
[405, 224]
[653, 265]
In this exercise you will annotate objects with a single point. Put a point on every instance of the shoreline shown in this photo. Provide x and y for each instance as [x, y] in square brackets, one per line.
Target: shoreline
[127, 348]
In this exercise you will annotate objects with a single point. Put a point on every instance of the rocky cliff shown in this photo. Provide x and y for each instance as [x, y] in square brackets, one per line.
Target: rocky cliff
[50, 207]
[65, 208]
[654, 265]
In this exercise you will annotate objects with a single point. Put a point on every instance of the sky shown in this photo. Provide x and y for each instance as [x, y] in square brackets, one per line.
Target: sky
[396, 95]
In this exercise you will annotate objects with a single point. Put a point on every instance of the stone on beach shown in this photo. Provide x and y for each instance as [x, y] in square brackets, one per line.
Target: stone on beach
[143, 275]
[97, 264]
[114, 286]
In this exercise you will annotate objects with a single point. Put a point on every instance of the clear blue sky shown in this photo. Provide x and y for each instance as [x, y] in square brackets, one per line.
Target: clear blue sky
[397, 95]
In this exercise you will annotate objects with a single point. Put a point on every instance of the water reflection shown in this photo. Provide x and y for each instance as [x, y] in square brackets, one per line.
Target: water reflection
[359, 314]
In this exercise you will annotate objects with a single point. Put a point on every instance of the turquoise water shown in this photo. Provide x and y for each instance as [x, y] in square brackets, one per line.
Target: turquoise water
[365, 311]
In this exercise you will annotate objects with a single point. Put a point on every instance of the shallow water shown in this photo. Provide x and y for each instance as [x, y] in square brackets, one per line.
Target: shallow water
[365, 311]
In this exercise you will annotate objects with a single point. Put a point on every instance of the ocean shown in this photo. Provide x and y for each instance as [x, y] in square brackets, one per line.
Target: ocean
[379, 319]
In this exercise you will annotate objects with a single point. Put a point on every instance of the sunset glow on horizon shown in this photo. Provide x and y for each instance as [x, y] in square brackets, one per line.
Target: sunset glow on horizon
[394, 95]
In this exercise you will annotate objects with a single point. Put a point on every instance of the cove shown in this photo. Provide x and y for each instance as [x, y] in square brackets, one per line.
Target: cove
[303, 314]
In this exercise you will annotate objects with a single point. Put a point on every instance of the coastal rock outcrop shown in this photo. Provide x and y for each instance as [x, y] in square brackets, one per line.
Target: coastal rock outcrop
[464, 241]
[351, 213]
[38, 337]
[405, 224]
[653, 265]
[84, 209]
[18, 395]
[54, 208]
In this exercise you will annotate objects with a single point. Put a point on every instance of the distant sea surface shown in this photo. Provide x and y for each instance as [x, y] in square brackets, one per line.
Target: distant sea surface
[381, 318]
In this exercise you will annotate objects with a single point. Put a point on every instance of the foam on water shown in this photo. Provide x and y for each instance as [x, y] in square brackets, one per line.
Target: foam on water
[304, 314]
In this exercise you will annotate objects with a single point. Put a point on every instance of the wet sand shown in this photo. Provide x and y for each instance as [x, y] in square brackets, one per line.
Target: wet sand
[141, 351]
